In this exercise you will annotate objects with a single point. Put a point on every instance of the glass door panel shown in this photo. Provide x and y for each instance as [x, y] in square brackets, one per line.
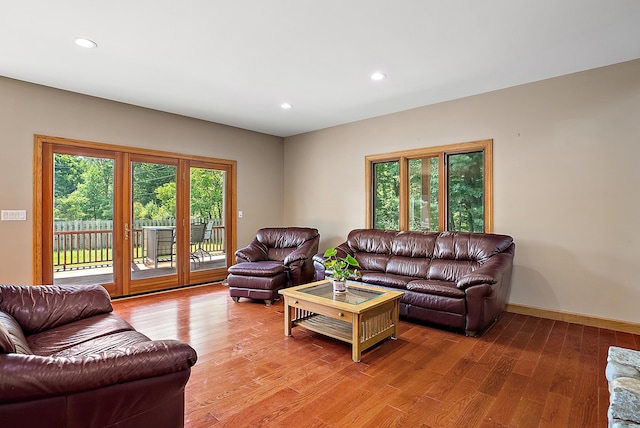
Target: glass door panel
[82, 219]
[152, 232]
[207, 246]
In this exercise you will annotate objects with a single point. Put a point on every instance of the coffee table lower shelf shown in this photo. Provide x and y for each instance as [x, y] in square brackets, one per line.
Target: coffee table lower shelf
[370, 331]
[328, 326]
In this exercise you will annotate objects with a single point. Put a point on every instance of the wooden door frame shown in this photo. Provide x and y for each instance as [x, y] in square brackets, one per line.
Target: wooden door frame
[43, 155]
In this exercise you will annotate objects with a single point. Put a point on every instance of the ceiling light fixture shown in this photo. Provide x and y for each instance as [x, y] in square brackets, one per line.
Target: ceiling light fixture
[86, 43]
[285, 106]
[378, 76]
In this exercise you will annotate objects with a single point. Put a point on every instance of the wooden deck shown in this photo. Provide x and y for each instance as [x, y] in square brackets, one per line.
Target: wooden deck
[104, 275]
[525, 372]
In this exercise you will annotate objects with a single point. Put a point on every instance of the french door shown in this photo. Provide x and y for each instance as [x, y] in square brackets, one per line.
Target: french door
[133, 220]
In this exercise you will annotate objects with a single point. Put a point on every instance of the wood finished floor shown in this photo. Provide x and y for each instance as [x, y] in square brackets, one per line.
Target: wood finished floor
[525, 372]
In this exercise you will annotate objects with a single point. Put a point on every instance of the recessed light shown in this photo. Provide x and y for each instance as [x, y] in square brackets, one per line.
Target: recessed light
[378, 76]
[86, 43]
[285, 106]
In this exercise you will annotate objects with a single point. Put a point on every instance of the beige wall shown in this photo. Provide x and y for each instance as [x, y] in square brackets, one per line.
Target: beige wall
[565, 180]
[27, 109]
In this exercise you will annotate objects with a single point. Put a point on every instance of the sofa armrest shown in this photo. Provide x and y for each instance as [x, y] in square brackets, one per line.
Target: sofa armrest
[318, 259]
[41, 307]
[343, 250]
[303, 252]
[489, 273]
[254, 252]
[29, 377]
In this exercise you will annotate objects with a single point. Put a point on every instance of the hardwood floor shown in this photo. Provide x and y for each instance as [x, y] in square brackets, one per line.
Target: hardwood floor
[525, 372]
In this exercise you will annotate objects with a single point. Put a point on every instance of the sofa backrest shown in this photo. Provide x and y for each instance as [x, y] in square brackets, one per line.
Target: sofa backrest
[411, 253]
[371, 247]
[470, 246]
[459, 253]
[25, 304]
[282, 241]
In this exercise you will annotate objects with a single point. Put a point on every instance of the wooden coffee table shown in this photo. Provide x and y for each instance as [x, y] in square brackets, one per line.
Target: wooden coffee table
[362, 316]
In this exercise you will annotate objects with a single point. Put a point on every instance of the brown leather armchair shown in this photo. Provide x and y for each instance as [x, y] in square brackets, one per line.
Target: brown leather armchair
[67, 361]
[275, 259]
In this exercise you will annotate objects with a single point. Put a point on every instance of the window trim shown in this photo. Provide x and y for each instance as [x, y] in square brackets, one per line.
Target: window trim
[403, 157]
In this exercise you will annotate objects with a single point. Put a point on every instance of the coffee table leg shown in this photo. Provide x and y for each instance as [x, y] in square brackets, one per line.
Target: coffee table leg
[356, 346]
[396, 318]
[287, 317]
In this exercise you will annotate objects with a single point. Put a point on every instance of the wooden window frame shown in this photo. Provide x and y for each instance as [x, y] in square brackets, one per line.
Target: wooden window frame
[403, 157]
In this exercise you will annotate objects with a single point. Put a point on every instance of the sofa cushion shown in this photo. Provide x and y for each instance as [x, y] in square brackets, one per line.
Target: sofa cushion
[470, 246]
[450, 270]
[12, 338]
[105, 343]
[385, 279]
[266, 268]
[456, 305]
[409, 266]
[439, 288]
[274, 253]
[371, 240]
[285, 237]
[372, 261]
[414, 244]
[55, 340]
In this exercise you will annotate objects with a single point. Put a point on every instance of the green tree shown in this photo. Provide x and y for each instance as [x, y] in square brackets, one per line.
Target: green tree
[466, 192]
[93, 197]
[207, 189]
[154, 191]
[387, 195]
[166, 194]
[67, 173]
[148, 177]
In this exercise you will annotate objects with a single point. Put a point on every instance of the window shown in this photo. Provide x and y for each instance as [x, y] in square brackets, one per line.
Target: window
[432, 189]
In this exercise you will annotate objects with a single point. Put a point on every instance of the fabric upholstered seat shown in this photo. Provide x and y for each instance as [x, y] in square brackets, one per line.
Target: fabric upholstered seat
[275, 259]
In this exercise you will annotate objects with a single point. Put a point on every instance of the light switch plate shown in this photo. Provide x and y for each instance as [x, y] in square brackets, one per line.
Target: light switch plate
[13, 215]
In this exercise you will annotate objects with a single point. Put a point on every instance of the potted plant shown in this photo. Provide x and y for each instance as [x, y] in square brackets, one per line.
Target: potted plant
[340, 269]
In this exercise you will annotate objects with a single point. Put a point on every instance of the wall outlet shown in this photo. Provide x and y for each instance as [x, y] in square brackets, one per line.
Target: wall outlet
[13, 215]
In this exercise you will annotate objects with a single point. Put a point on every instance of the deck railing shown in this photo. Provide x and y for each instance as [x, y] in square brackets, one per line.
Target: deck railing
[85, 249]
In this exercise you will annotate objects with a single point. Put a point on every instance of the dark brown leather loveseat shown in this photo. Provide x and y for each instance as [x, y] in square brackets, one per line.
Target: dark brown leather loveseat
[67, 361]
[452, 279]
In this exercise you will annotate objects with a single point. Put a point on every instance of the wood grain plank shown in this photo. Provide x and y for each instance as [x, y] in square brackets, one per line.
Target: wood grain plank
[524, 372]
[504, 406]
[556, 412]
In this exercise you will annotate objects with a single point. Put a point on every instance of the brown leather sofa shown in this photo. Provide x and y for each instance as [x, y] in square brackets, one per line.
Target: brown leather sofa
[278, 257]
[451, 279]
[67, 361]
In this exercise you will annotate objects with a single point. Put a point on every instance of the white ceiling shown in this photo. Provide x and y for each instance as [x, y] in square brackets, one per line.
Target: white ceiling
[235, 62]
